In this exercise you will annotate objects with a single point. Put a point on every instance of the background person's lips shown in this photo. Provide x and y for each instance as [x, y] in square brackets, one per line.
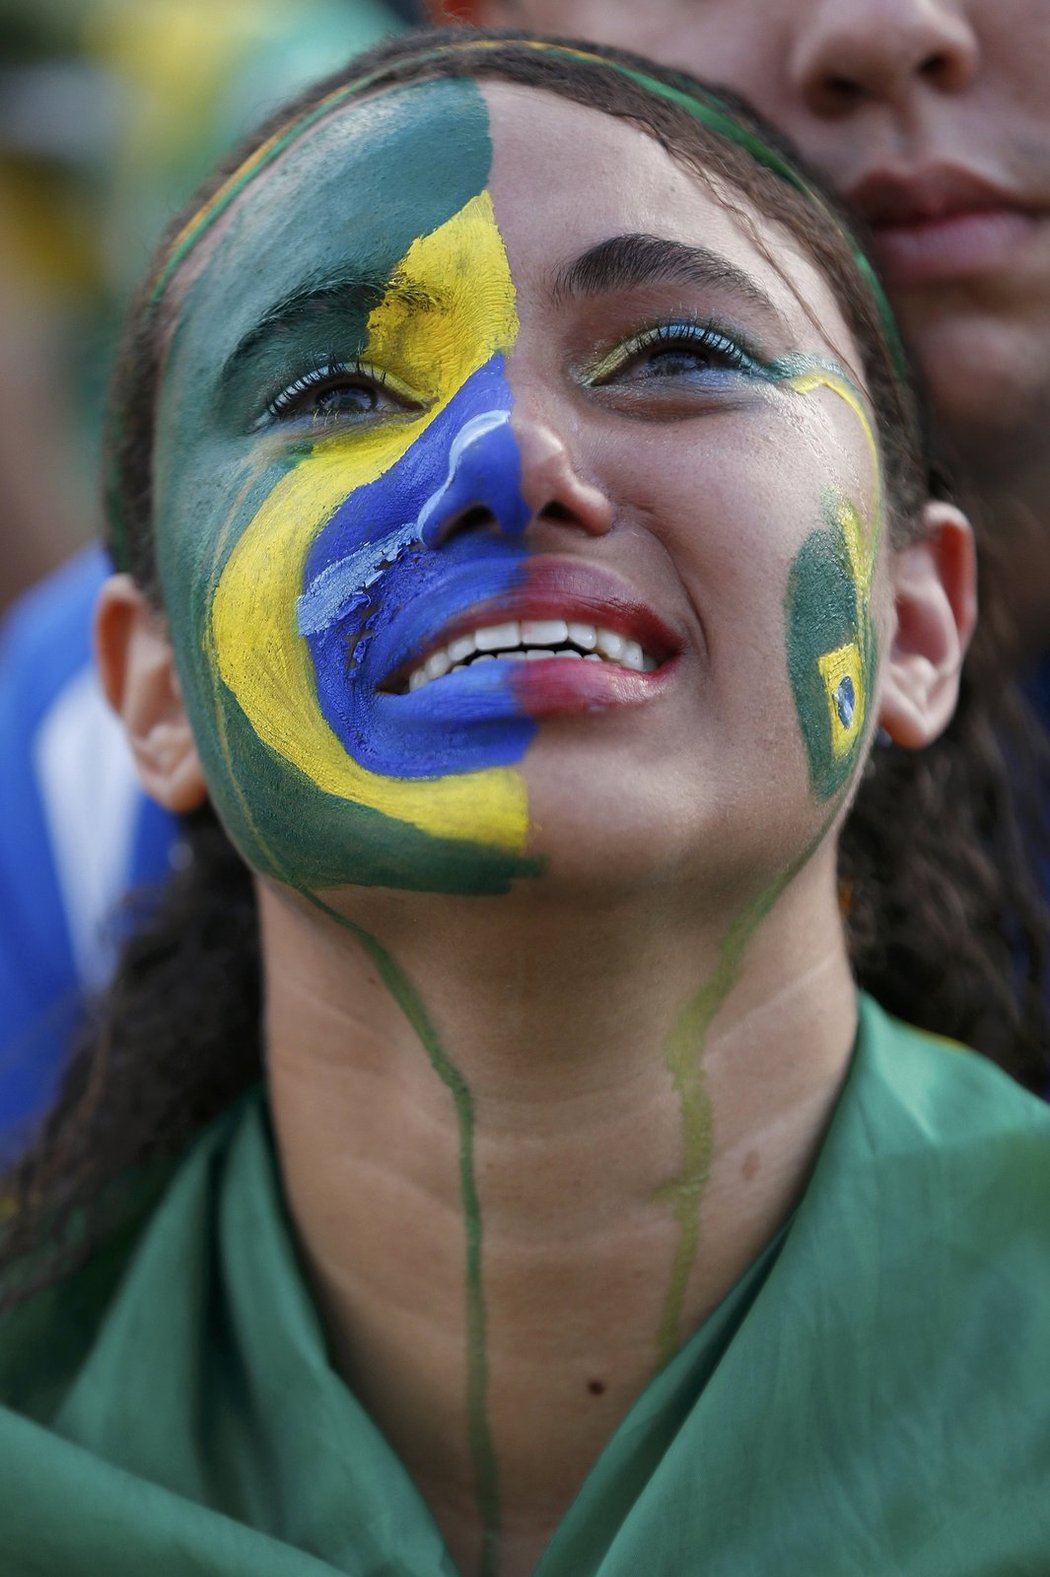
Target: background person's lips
[942, 224]
[956, 247]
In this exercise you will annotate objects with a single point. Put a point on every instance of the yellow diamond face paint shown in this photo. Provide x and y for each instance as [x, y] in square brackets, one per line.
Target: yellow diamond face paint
[843, 689]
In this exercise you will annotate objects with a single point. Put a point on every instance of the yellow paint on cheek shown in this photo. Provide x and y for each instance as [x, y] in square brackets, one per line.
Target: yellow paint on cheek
[849, 662]
[461, 270]
[822, 377]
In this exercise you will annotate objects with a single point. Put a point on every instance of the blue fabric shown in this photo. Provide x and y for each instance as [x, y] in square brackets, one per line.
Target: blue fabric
[45, 655]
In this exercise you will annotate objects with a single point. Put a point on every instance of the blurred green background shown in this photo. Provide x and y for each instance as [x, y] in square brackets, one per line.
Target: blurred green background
[111, 111]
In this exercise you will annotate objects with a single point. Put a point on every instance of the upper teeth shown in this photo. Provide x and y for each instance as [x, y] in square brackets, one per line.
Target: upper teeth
[529, 639]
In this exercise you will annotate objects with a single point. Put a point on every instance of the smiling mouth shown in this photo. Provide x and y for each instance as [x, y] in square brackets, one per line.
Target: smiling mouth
[529, 640]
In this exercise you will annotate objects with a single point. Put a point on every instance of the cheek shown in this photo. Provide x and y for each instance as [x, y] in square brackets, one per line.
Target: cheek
[295, 799]
[831, 643]
[772, 527]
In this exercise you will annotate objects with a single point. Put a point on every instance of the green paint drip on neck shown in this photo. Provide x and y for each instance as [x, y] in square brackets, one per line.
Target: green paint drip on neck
[684, 1059]
[482, 1449]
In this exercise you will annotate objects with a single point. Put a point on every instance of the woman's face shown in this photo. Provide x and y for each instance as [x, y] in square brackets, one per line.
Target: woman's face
[513, 512]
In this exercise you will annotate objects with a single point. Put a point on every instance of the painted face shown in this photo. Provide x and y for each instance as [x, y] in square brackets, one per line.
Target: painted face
[930, 116]
[470, 506]
[302, 570]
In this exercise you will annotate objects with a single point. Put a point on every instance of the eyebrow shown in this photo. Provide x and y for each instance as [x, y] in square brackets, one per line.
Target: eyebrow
[628, 262]
[342, 293]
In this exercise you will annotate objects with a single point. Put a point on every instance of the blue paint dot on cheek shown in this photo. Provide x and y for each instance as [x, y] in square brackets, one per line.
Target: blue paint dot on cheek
[846, 702]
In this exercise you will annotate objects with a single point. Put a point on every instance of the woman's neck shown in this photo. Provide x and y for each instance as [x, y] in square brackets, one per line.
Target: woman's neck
[527, 1152]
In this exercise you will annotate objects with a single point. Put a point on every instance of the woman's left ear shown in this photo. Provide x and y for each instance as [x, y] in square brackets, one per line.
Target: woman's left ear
[137, 668]
[935, 601]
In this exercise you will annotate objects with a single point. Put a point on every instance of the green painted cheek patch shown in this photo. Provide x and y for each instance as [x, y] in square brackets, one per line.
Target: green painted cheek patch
[831, 646]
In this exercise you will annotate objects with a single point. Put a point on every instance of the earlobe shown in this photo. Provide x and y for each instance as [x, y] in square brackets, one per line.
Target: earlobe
[137, 668]
[935, 601]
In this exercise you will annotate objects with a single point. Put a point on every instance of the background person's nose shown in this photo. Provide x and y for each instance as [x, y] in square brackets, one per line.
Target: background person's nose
[853, 52]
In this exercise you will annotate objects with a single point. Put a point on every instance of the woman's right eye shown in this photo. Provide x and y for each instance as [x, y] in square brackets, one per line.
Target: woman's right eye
[338, 392]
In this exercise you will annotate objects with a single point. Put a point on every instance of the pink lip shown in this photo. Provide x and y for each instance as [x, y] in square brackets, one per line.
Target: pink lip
[942, 224]
[562, 686]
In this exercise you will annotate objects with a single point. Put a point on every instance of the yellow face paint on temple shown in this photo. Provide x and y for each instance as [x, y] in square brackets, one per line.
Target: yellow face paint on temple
[842, 669]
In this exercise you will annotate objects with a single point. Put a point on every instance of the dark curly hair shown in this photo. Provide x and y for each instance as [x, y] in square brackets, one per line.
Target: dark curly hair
[945, 920]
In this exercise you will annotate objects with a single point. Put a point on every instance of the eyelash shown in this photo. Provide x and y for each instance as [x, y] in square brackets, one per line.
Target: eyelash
[695, 334]
[733, 356]
[331, 371]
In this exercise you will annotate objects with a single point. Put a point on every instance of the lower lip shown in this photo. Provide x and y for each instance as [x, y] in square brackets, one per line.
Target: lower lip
[544, 687]
[561, 686]
[936, 251]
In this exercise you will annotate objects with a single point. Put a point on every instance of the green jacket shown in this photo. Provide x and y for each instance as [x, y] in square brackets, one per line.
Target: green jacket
[871, 1400]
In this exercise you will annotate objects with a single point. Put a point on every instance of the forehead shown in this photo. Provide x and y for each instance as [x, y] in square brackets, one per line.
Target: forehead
[350, 197]
[615, 179]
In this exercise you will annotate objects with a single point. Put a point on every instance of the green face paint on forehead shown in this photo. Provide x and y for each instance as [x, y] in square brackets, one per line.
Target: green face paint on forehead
[343, 207]
[323, 230]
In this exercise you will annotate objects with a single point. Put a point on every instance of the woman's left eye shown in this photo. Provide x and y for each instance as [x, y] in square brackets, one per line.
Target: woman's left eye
[673, 350]
[339, 392]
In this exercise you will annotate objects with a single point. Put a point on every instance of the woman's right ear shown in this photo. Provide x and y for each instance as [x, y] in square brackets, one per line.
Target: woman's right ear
[137, 668]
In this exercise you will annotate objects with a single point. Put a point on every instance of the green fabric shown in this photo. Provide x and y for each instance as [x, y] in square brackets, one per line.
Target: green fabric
[872, 1398]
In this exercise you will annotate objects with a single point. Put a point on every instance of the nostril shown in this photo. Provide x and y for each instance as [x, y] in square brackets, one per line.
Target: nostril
[840, 94]
[934, 67]
[555, 511]
[476, 517]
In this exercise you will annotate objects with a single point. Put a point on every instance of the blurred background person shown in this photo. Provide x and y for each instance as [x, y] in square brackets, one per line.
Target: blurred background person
[110, 113]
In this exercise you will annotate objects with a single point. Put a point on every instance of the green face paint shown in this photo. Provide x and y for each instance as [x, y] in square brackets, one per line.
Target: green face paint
[382, 202]
[831, 645]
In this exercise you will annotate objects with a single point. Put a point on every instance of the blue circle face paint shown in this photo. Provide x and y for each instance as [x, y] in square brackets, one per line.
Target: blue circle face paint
[846, 701]
[399, 562]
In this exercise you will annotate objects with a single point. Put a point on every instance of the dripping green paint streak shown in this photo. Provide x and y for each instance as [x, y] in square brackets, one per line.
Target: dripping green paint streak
[684, 1059]
[685, 1062]
[482, 1450]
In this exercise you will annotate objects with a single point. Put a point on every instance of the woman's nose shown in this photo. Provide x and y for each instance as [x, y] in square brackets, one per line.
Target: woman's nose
[503, 474]
[551, 483]
[853, 52]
